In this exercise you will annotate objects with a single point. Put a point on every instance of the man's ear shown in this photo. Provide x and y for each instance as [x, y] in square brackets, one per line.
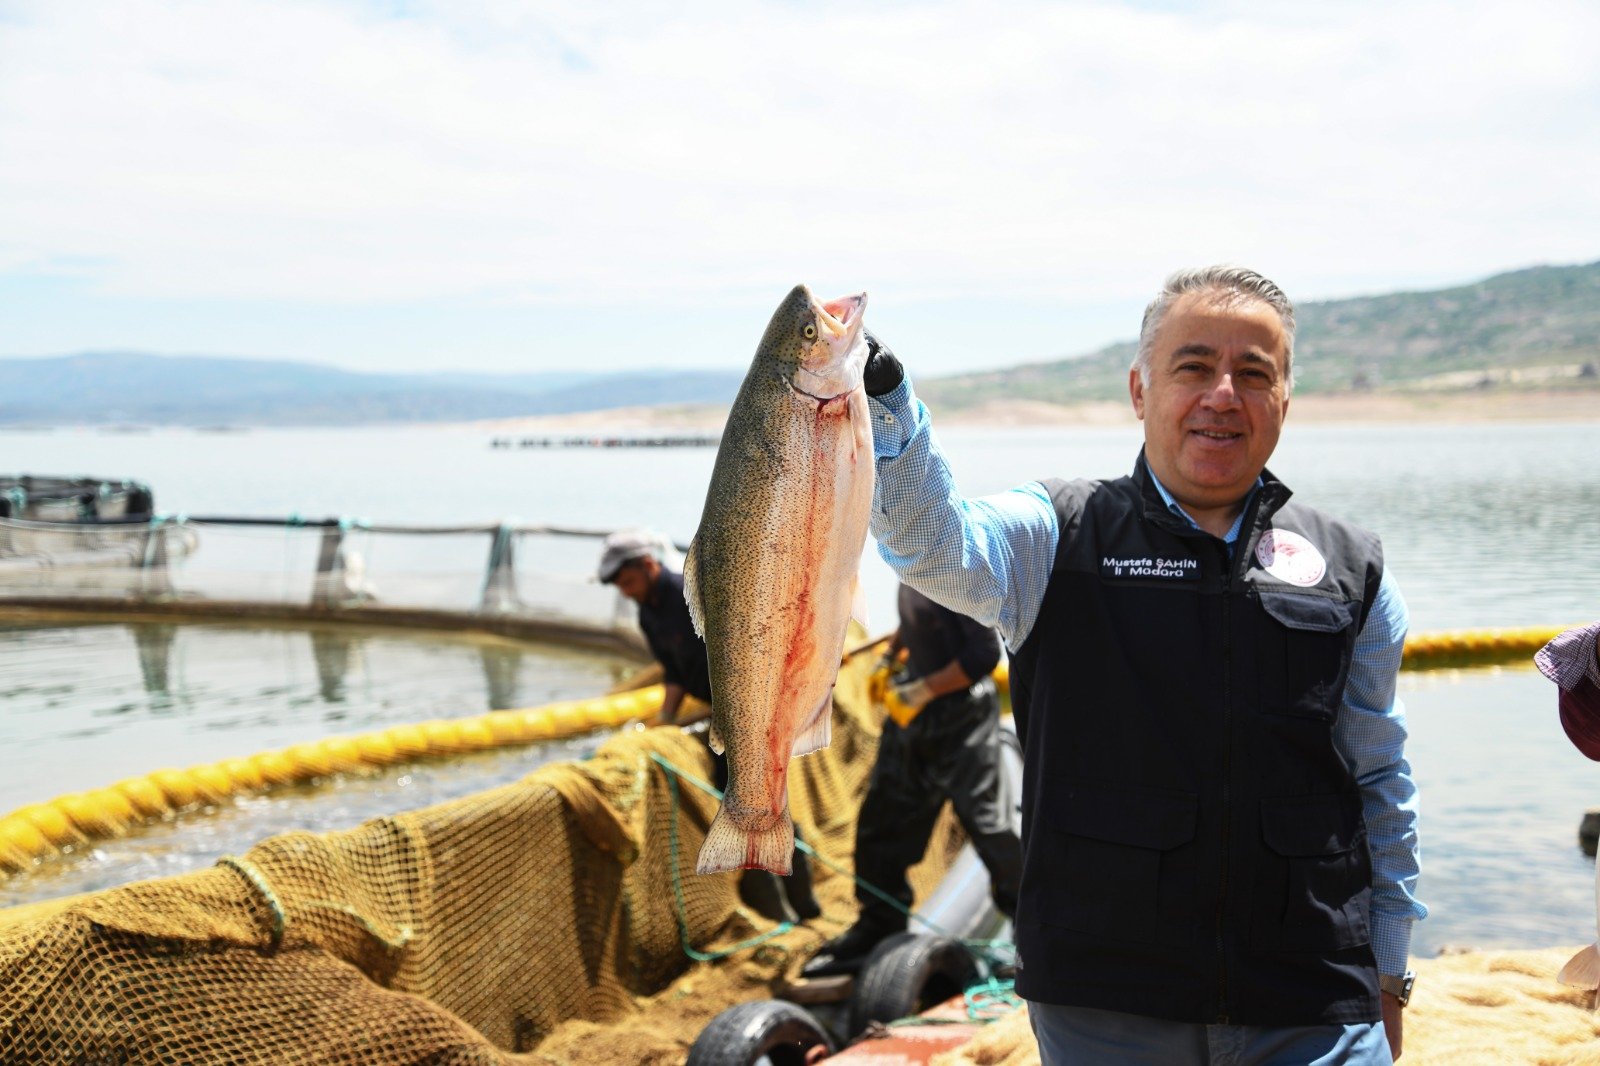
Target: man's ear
[1136, 392]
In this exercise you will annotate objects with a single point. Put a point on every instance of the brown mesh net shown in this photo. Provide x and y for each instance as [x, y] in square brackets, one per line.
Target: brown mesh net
[469, 932]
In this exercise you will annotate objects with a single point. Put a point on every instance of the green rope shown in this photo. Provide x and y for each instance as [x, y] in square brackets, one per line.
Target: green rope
[991, 1000]
[677, 882]
[258, 881]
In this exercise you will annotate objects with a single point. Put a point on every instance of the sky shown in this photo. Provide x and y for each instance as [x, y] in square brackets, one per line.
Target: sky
[515, 186]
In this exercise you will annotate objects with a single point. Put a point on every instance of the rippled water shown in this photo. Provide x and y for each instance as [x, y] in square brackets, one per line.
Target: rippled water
[1492, 525]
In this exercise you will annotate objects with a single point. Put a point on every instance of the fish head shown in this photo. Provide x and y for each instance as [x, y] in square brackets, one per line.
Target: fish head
[820, 348]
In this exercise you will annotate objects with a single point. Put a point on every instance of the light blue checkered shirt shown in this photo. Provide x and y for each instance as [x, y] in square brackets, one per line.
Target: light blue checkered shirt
[991, 557]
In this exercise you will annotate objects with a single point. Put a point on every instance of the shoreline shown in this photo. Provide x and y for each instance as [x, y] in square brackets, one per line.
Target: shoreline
[1314, 409]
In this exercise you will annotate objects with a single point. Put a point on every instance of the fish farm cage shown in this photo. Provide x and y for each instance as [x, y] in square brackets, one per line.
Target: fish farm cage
[86, 545]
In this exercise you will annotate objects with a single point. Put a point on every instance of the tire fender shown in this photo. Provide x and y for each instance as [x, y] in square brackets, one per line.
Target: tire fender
[783, 1033]
[907, 973]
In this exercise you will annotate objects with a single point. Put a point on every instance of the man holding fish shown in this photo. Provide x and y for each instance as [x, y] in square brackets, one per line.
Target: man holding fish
[1219, 836]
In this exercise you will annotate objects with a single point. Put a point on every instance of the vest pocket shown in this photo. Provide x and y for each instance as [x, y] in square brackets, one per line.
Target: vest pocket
[1303, 654]
[1112, 864]
[1313, 884]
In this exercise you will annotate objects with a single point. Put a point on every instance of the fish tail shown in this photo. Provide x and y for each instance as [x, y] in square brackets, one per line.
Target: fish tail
[729, 846]
[1583, 969]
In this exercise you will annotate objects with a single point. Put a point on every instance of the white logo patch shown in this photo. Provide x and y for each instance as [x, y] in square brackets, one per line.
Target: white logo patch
[1290, 557]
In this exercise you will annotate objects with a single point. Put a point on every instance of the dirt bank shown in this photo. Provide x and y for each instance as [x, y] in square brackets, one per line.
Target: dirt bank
[1391, 408]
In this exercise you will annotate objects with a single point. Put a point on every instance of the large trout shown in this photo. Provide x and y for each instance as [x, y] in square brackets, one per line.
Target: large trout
[771, 575]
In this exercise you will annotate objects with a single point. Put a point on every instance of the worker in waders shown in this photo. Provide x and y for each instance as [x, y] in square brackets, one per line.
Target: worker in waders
[940, 742]
[631, 561]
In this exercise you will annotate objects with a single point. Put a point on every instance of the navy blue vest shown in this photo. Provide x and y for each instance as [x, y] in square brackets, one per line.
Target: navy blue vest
[1194, 844]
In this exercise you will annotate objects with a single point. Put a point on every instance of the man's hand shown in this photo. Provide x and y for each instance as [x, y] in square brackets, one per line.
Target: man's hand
[883, 371]
[1392, 1023]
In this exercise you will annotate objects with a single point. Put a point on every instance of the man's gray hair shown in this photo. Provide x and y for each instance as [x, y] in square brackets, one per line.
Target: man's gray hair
[1232, 283]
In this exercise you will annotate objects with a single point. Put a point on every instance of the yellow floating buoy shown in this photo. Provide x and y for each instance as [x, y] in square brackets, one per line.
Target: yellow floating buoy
[345, 754]
[180, 787]
[146, 797]
[246, 775]
[538, 723]
[475, 734]
[377, 749]
[309, 760]
[505, 726]
[102, 813]
[275, 767]
[52, 821]
[569, 718]
[19, 836]
[212, 783]
[408, 740]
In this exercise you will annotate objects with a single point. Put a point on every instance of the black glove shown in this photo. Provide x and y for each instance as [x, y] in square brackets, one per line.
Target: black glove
[883, 371]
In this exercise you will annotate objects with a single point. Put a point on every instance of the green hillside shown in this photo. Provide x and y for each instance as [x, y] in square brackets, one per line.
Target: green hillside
[1536, 328]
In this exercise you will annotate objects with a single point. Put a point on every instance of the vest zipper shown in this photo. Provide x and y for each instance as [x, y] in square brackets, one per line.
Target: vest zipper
[1227, 779]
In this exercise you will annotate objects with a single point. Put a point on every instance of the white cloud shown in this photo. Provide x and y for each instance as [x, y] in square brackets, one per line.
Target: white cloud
[616, 152]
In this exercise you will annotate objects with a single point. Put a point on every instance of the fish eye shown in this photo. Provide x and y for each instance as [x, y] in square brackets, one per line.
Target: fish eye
[810, 332]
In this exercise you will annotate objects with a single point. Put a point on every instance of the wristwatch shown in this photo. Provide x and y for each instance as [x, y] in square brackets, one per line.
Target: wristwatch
[1398, 987]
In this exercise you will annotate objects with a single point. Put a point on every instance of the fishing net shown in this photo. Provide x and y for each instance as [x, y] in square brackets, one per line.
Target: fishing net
[461, 933]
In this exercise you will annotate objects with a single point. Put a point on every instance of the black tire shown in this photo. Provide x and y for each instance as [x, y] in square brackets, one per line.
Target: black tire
[781, 1032]
[907, 973]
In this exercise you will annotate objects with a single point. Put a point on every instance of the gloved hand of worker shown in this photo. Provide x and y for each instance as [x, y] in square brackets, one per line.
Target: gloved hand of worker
[915, 694]
[905, 700]
[883, 372]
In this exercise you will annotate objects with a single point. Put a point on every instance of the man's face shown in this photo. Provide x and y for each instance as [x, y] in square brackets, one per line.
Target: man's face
[637, 578]
[1216, 400]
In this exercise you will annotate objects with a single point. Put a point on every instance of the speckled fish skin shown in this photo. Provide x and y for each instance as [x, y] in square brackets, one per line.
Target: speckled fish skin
[771, 575]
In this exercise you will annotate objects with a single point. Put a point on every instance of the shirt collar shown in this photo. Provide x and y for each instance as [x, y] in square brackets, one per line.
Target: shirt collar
[1173, 506]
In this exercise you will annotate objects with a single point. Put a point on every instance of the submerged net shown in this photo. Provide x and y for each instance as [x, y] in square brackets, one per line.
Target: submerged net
[461, 933]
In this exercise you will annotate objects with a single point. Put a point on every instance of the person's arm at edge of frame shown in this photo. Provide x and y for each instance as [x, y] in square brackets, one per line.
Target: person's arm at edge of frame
[1371, 734]
[987, 558]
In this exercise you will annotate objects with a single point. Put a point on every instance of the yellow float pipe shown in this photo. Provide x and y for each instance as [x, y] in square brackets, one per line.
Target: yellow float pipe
[37, 830]
[41, 829]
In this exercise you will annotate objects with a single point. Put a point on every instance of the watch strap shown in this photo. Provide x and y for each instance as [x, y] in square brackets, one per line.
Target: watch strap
[1398, 987]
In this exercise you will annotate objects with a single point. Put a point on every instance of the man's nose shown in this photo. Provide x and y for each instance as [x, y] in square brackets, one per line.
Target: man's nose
[1222, 395]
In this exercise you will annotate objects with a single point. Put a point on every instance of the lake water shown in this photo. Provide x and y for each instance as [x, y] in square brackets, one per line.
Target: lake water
[1491, 525]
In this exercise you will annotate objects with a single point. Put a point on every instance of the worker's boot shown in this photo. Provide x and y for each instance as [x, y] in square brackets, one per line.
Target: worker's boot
[846, 952]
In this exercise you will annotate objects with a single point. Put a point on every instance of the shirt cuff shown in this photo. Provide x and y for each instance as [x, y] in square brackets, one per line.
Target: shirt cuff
[892, 420]
[1391, 943]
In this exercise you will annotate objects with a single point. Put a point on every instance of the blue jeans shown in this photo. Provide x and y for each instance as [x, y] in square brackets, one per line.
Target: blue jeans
[1082, 1036]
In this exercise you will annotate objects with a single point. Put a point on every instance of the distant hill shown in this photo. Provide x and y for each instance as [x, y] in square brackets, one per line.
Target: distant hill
[100, 388]
[1529, 328]
[1537, 327]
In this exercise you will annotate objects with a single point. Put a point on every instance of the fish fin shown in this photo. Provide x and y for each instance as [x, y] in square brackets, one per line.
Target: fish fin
[714, 738]
[818, 730]
[1583, 969]
[858, 602]
[729, 847]
[691, 587]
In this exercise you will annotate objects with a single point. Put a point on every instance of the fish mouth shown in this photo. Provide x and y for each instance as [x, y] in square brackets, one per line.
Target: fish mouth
[841, 314]
[833, 368]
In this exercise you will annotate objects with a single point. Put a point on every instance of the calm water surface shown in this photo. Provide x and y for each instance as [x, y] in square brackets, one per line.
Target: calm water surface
[1494, 525]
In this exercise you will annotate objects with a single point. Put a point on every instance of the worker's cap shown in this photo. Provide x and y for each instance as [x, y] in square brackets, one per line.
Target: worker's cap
[1565, 660]
[624, 546]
